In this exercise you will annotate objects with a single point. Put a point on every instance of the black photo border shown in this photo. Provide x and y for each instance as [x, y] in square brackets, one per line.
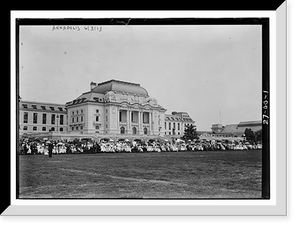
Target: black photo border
[264, 22]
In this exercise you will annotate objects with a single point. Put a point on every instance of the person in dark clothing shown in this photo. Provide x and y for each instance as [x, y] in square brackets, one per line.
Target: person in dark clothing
[50, 148]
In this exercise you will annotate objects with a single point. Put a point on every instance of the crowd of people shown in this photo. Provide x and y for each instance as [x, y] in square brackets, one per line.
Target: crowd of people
[84, 146]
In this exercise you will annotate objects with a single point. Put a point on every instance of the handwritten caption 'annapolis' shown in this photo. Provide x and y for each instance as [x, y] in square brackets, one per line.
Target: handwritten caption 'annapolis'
[91, 28]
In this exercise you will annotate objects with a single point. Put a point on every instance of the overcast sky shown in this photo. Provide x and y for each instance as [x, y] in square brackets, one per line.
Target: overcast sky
[200, 69]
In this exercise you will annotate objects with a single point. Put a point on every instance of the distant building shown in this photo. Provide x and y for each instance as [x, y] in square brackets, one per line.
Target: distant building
[231, 130]
[176, 122]
[217, 128]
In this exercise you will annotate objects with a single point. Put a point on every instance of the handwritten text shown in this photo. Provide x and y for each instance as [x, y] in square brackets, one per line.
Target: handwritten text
[265, 116]
[91, 28]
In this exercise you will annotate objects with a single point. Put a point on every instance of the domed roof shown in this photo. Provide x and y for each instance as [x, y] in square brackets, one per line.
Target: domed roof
[120, 86]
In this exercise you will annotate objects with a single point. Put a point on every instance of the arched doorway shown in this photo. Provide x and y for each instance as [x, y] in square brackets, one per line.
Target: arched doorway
[134, 130]
[122, 130]
[145, 130]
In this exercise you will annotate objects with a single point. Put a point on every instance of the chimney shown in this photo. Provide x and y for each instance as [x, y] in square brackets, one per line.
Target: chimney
[93, 85]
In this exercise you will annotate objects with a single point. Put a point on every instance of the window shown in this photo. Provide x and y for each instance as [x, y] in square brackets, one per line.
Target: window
[76, 119]
[145, 117]
[169, 126]
[76, 127]
[122, 130]
[43, 128]
[178, 126]
[145, 131]
[72, 128]
[60, 108]
[61, 129]
[52, 129]
[25, 128]
[44, 118]
[97, 127]
[33, 106]
[174, 125]
[35, 117]
[106, 118]
[25, 118]
[76, 112]
[52, 108]
[97, 111]
[34, 128]
[97, 119]
[81, 111]
[24, 105]
[81, 118]
[106, 111]
[133, 130]
[81, 127]
[43, 107]
[53, 119]
[61, 119]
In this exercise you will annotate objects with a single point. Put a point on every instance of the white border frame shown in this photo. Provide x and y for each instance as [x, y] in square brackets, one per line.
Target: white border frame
[276, 205]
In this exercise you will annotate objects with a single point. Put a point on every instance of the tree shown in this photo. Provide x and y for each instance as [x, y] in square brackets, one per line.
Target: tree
[190, 133]
[258, 135]
[249, 134]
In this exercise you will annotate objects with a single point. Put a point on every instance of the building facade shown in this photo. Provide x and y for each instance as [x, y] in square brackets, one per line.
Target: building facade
[116, 108]
[176, 122]
[37, 117]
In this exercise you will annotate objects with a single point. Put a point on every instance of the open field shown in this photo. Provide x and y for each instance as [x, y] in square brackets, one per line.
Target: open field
[204, 174]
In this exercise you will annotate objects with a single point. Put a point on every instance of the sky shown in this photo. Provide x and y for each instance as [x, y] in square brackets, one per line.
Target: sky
[212, 72]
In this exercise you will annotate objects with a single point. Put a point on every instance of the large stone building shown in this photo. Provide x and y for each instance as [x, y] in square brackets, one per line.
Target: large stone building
[111, 108]
[37, 117]
[116, 107]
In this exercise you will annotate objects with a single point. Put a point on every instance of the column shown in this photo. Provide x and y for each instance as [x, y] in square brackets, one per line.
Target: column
[140, 122]
[118, 120]
[150, 123]
[127, 121]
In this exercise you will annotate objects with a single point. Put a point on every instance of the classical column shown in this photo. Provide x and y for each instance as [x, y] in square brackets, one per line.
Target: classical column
[127, 121]
[118, 120]
[150, 122]
[141, 122]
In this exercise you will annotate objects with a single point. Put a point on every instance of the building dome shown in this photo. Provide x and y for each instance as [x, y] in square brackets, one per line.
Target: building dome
[120, 86]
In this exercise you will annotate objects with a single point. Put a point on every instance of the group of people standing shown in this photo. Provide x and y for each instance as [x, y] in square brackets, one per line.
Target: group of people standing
[50, 147]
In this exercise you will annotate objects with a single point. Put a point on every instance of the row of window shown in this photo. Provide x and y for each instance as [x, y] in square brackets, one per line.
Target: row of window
[77, 128]
[134, 130]
[170, 133]
[33, 106]
[77, 112]
[44, 118]
[174, 126]
[134, 117]
[34, 128]
[77, 119]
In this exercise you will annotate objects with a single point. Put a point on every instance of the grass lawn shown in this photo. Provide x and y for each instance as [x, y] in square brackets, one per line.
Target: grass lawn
[213, 174]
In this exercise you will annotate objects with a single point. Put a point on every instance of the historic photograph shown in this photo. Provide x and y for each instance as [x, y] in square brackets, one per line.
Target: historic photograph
[139, 111]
